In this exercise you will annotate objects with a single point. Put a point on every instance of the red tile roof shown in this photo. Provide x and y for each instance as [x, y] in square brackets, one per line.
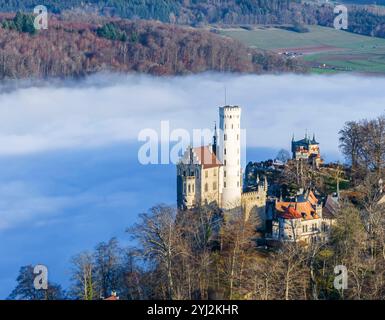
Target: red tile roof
[291, 213]
[206, 157]
[298, 210]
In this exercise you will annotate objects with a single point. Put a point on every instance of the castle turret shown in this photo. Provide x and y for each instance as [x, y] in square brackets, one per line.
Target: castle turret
[230, 155]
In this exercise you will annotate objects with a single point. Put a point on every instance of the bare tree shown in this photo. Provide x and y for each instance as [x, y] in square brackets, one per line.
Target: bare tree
[159, 238]
[83, 276]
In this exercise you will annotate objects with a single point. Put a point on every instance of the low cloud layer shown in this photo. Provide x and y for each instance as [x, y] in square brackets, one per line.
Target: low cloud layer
[104, 109]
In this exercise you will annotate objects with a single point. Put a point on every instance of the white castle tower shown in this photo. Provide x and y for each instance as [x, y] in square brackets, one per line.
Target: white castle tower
[229, 154]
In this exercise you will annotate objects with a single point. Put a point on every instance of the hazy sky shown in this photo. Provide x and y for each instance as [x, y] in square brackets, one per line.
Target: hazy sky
[69, 175]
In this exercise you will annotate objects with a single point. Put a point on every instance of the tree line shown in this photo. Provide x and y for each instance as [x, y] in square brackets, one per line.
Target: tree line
[70, 48]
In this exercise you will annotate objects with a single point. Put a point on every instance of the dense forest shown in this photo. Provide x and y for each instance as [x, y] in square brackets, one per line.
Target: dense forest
[363, 19]
[208, 254]
[78, 48]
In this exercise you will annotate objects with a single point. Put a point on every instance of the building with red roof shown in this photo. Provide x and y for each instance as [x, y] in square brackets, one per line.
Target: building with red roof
[300, 220]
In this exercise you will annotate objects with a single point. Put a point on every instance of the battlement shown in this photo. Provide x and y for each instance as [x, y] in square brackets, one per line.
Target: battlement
[250, 195]
[229, 111]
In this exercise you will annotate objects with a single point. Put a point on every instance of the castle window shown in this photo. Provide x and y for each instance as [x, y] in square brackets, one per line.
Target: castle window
[225, 137]
[232, 126]
[224, 184]
[193, 188]
[237, 183]
[225, 162]
[225, 151]
[206, 174]
[214, 186]
[224, 174]
[215, 172]
[206, 187]
[189, 188]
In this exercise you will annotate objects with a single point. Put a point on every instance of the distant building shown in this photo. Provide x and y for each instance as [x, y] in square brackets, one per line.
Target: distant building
[301, 220]
[307, 149]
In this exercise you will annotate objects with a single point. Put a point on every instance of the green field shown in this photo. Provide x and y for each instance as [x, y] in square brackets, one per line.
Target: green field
[323, 49]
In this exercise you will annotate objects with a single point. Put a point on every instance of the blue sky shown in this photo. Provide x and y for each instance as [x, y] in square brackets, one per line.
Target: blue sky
[69, 173]
[65, 202]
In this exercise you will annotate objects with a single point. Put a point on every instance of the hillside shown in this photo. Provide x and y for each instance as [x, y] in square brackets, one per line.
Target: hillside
[363, 19]
[76, 49]
[324, 49]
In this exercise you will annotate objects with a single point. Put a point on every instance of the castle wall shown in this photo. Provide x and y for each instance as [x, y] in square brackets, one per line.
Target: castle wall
[254, 205]
[209, 186]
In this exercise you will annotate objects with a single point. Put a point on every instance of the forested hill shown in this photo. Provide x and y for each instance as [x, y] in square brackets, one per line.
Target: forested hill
[363, 19]
[78, 48]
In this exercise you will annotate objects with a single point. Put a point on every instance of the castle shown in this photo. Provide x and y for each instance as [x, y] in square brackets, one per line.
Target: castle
[307, 149]
[213, 175]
